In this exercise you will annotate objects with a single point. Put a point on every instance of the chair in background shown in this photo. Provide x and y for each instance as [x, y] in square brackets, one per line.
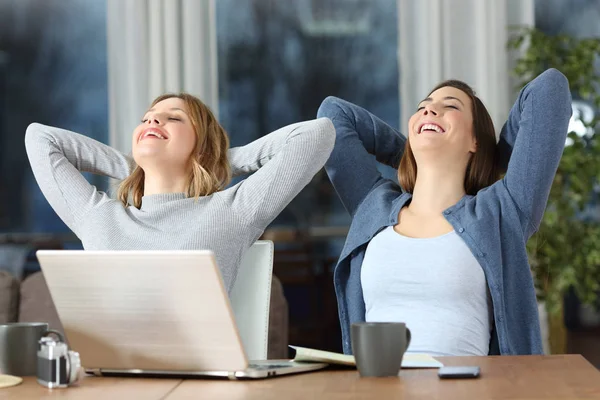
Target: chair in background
[306, 272]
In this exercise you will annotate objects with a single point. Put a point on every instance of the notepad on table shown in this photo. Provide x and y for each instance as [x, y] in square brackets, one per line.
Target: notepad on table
[410, 360]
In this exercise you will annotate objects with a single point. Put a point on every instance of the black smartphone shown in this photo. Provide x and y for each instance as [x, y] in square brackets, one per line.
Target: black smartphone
[458, 372]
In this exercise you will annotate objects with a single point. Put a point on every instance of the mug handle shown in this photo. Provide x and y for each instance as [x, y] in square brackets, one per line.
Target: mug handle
[407, 338]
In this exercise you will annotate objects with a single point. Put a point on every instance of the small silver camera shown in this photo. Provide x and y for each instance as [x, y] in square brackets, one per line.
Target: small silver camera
[57, 366]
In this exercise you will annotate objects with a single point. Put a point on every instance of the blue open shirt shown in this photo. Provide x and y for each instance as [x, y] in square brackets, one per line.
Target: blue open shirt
[495, 223]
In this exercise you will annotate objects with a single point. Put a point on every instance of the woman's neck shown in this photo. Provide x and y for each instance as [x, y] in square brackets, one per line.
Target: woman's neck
[436, 189]
[159, 183]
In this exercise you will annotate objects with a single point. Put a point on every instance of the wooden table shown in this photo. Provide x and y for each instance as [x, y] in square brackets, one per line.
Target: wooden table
[95, 388]
[522, 377]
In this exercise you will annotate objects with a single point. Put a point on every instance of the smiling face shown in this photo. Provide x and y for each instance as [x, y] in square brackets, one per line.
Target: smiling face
[178, 137]
[165, 137]
[443, 121]
[452, 130]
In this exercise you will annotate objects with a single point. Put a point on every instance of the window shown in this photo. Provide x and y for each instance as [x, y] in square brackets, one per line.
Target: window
[53, 71]
[279, 60]
[578, 19]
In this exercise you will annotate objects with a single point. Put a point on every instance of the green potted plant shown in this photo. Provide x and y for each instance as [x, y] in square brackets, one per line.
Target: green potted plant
[565, 252]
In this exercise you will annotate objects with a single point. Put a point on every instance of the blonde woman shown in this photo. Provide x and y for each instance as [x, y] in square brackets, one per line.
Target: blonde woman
[173, 192]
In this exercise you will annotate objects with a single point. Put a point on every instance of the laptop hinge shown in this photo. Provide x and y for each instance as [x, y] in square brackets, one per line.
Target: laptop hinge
[231, 376]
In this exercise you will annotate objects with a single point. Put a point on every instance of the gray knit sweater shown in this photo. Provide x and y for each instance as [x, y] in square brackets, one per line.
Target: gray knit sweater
[226, 222]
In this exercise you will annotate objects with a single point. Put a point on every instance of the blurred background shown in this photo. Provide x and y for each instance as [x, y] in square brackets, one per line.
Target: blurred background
[93, 66]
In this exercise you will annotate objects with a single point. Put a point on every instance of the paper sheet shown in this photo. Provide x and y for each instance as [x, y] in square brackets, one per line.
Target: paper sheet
[410, 360]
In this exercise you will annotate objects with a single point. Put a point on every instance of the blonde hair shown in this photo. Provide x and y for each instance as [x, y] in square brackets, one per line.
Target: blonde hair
[210, 170]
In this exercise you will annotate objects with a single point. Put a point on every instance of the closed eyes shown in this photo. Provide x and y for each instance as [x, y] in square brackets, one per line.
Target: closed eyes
[447, 106]
[170, 119]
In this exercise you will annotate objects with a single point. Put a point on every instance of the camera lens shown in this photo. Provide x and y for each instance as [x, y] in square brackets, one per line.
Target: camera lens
[74, 366]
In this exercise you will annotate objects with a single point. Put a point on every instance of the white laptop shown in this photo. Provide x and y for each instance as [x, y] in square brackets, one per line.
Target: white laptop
[151, 313]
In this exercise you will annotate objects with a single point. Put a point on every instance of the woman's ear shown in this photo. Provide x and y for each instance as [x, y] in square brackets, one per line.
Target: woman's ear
[473, 148]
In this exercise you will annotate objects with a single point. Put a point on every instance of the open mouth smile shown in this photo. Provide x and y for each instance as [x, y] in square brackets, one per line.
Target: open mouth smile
[430, 127]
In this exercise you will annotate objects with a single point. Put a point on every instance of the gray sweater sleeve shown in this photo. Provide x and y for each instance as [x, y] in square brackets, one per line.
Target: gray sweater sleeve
[282, 163]
[57, 158]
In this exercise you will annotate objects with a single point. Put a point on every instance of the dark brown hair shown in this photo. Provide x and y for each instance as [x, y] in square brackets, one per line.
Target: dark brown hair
[210, 166]
[482, 169]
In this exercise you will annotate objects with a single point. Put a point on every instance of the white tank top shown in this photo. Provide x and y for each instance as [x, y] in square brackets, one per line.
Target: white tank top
[434, 285]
